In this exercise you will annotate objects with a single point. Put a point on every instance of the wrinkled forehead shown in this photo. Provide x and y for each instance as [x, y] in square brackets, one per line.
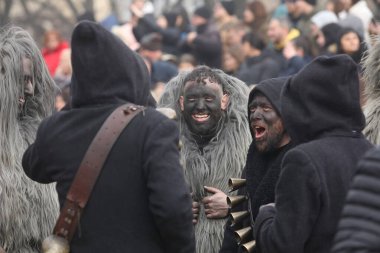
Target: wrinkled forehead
[205, 82]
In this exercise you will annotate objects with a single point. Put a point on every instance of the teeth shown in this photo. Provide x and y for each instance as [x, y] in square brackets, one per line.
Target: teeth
[201, 116]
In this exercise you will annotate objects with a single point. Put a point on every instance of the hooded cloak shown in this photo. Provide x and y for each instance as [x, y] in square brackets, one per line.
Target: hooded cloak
[140, 201]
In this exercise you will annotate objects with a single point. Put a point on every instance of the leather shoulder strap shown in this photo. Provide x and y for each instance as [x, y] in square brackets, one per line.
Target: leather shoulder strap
[90, 167]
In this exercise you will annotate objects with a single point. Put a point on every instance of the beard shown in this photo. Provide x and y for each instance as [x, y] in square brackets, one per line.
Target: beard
[275, 134]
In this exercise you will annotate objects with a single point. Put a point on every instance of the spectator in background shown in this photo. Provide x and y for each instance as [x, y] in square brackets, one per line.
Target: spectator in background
[232, 33]
[300, 12]
[53, 45]
[255, 17]
[204, 42]
[298, 53]
[160, 71]
[233, 57]
[64, 70]
[224, 13]
[349, 42]
[141, 17]
[279, 33]
[186, 62]
[257, 65]
[321, 19]
[327, 39]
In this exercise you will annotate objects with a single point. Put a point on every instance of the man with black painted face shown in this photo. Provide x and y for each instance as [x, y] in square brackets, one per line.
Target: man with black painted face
[321, 111]
[202, 105]
[211, 107]
[269, 145]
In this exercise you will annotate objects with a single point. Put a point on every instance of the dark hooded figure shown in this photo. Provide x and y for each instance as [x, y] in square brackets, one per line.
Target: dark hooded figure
[269, 145]
[140, 202]
[321, 111]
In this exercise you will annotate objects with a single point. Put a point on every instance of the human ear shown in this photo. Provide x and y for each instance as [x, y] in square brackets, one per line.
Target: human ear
[181, 102]
[224, 102]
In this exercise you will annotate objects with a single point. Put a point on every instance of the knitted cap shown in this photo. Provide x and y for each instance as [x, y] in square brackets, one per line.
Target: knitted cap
[322, 18]
[204, 12]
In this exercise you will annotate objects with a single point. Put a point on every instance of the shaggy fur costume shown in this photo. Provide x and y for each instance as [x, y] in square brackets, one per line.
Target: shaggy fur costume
[28, 210]
[223, 158]
[371, 65]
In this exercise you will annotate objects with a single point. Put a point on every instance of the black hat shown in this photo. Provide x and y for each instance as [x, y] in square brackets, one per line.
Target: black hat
[229, 6]
[151, 41]
[204, 12]
[271, 89]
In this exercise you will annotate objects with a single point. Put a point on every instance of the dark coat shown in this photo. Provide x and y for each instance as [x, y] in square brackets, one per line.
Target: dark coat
[206, 47]
[321, 111]
[256, 69]
[359, 227]
[140, 202]
[261, 170]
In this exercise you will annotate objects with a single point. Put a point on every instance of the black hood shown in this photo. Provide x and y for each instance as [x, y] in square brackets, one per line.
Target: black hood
[105, 70]
[271, 89]
[323, 100]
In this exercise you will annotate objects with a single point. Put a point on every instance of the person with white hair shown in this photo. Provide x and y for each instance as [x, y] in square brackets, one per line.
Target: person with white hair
[28, 210]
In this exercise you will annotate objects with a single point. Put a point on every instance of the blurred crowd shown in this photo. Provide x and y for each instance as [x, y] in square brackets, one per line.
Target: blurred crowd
[265, 41]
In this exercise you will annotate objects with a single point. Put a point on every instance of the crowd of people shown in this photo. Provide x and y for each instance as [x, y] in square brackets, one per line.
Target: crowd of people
[286, 98]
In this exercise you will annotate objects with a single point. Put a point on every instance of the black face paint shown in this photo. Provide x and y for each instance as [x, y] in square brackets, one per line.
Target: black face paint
[202, 107]
[266, 125]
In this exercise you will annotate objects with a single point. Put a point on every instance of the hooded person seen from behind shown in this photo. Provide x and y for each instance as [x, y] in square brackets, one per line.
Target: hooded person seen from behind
[321, 111]
[140, 202]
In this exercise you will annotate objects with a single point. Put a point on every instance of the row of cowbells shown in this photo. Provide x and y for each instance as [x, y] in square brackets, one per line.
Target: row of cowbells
[242, 235]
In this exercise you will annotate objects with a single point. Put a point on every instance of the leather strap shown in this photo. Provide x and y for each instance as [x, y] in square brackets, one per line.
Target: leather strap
[90, 168]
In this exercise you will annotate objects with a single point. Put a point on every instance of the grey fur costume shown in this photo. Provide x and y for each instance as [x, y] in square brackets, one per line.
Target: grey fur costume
[221, 159]
[28, 210]
[371, 64]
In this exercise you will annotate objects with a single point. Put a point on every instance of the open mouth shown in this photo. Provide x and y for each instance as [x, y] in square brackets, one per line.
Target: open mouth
[259, 132]
[201, 117]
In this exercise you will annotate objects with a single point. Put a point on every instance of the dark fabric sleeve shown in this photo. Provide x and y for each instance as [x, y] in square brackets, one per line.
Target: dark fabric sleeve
[169, 195]
[287, 226]
[271, 69]
[359, 227]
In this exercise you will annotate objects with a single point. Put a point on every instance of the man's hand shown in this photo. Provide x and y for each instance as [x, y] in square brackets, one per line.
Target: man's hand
[216, 204]
[195, 212]
[190, 37]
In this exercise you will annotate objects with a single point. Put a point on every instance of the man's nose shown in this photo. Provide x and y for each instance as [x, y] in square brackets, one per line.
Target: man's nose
[256, 115]
[28, 89]
[200, 104]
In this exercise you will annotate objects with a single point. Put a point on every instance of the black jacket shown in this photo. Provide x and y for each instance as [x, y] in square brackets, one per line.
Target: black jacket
[321, 111]
[140, 202]
[359, 227]
[256, 69]
[206, 47]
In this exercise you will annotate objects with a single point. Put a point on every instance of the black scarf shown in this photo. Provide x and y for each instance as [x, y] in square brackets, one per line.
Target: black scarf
[262, 172]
